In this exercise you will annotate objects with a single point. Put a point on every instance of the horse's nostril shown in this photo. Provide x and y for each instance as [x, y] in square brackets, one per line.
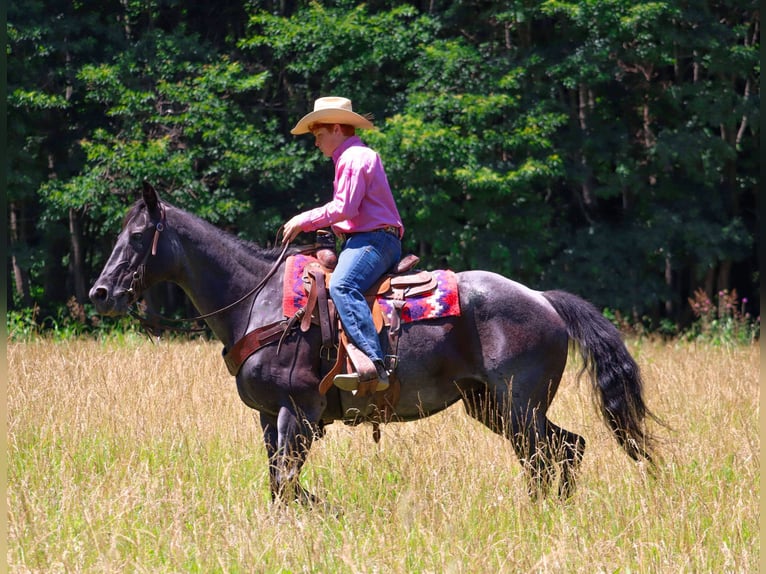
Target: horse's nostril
[99, 294]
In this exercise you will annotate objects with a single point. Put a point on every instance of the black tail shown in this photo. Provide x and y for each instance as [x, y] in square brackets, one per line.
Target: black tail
[614, 375]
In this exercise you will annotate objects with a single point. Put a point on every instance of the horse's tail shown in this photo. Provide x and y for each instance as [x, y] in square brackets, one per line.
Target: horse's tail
[614, 375]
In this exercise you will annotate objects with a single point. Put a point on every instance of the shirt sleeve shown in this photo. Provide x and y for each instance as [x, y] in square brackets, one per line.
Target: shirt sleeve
[350, 187]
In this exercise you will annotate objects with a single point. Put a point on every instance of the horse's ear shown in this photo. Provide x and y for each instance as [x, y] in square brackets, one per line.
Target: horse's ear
[151, 198]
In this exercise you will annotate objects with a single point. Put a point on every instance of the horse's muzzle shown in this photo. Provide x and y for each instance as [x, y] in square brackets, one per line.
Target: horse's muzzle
[108, 303]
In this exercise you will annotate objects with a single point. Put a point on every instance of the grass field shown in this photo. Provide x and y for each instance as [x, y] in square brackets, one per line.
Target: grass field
[128, 456]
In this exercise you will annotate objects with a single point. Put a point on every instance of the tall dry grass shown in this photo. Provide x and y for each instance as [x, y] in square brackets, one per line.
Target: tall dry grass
[138, 457]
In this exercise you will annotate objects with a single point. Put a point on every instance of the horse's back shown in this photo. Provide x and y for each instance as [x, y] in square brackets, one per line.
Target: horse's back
[486, 294]
[505, 331]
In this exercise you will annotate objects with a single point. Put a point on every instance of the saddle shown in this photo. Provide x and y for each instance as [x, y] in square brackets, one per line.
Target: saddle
[307, 302]
[319, 310]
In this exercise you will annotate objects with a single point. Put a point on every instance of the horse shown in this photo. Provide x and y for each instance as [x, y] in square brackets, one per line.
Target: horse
[503, 356]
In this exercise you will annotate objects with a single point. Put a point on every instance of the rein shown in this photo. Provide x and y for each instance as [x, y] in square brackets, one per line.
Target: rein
[152, 324]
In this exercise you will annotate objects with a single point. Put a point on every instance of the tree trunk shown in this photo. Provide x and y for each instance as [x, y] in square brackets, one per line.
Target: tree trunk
[76, 264]
[669, 283]
[723, 279]
[710, 283]
[583, 105]
[20, 275]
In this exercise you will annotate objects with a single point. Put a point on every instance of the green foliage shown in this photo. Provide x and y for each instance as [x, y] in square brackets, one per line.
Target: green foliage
[70, 321]
[724, 320]
[341, 48]
[193, 140]
[609, 148]
[457, 149]
[22, 325]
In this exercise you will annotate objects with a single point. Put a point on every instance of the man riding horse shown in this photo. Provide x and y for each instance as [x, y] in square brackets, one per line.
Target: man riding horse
[502, 355]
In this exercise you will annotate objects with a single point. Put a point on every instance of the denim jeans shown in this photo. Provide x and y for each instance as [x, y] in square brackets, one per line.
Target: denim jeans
[363, 259]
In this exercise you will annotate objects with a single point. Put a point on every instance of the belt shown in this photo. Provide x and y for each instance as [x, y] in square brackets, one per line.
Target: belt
[391, 229]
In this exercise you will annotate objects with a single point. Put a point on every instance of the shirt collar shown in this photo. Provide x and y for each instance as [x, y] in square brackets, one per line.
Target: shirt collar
[353, 140]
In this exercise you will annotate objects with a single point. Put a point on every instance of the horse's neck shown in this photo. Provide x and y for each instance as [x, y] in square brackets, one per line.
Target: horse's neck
[218, 270]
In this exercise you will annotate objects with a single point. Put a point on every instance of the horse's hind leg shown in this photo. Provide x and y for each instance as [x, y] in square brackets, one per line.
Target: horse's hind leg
[530, 438]
[568, 449]
[540, 445]
[545, 448]
[526, 430]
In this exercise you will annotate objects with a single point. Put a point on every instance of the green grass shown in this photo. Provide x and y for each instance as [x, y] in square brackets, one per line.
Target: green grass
[128, 456]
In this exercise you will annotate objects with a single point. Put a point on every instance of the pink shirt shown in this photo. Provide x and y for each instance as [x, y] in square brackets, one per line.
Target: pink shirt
[362, 199]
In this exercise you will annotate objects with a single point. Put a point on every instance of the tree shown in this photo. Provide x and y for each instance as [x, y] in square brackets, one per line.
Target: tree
[610, 148]
[646, 88]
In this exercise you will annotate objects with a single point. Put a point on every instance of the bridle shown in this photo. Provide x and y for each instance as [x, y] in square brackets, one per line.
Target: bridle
[154, 323]
[137, 283]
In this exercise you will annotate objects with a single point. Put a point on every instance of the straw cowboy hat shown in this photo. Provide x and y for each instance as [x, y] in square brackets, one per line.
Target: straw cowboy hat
[331, 110]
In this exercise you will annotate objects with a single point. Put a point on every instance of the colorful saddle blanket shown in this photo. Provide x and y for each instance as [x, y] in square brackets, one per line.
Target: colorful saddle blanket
[443, 301]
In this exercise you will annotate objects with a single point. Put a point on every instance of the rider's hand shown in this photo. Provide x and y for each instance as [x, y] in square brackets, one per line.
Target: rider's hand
[290, 230]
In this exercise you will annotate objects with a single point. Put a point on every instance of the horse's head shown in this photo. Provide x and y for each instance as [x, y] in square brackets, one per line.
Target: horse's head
[136, 261]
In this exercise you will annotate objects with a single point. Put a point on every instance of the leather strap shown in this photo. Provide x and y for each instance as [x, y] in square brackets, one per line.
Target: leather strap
[250, 343]
[310, 303]
[395, 328]
[383, 286]
[337, 368]
[323, 308]
[406, 263]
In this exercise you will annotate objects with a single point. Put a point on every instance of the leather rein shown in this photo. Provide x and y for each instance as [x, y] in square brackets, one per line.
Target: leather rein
[153, 324]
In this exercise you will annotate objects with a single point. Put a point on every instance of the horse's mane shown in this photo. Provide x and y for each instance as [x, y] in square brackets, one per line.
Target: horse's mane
[269, 253]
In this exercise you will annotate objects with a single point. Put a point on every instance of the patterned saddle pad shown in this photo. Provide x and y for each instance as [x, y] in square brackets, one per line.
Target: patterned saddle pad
[443, 301]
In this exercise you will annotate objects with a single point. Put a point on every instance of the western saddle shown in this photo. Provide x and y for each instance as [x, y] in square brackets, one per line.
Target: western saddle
[402, 282]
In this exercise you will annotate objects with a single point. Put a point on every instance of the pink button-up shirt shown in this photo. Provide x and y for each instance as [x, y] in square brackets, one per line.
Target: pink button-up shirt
[362, 199]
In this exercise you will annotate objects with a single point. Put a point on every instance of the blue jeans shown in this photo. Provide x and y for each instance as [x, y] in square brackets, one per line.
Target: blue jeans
[363, 259]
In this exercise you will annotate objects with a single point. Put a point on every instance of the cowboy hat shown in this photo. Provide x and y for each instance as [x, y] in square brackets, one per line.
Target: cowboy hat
[331, 110]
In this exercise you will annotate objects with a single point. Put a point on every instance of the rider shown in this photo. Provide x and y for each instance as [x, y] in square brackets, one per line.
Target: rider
[363, 213]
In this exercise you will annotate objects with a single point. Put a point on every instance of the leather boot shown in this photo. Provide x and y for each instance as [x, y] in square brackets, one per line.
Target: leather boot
[350, 381]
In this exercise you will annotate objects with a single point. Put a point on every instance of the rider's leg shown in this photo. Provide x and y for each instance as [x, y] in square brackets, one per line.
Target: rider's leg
[365, 257]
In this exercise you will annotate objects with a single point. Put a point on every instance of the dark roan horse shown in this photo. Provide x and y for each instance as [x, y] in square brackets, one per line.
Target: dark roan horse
[503, 356]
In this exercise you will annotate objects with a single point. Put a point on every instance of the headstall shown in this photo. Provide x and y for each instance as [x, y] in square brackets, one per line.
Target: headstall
[155, 323]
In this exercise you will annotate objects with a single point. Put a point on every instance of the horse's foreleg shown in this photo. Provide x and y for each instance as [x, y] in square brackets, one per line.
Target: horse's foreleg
[296, 435]
[288, 438]
[271, 440]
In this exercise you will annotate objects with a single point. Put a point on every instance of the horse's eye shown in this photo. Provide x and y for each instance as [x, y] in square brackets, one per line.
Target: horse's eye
[137, 237]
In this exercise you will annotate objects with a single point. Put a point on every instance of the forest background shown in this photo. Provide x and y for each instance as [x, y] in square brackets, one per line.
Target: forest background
[609, 148]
